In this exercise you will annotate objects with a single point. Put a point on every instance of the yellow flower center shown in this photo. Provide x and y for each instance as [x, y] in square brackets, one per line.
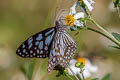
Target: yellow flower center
[69, 20]
[81, 60]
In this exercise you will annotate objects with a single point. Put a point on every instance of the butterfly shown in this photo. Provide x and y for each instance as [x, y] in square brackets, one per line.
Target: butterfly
[54, 43]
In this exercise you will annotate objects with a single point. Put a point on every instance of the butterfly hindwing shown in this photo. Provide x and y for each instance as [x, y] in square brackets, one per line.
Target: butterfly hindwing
[62, 50]
[37, 45]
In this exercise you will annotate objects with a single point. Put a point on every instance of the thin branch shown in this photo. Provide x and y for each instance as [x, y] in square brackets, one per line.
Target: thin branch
[83, 76]
[69, 76]
[81, 71]
[106, 33]
[74, 74]
[91, 29]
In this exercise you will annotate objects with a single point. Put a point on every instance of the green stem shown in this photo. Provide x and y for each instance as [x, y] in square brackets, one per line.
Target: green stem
[91, 29]
[73, 73]
[104, 32]
[81, 71]
[69, 76]
[83, 76]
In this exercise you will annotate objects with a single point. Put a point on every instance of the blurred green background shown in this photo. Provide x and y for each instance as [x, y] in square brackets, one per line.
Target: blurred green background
[19, 19]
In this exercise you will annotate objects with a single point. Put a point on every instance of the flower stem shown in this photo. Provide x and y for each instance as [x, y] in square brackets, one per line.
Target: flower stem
[83, 76]
[81, 71]
[104, 32]
[91, 29]
[74, 74]
[69, 76]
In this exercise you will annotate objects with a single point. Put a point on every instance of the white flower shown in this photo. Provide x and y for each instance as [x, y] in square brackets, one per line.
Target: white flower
[88, 69]
[77, 16]
[111, 7]
[87, 3]
[73, 18]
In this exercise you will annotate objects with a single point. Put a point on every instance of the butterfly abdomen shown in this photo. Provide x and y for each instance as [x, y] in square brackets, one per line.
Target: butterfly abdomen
[62, 50]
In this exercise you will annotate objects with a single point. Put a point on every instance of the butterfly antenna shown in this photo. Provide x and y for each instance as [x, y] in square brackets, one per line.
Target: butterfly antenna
[59, 14]
[61, 18]
[56, 13]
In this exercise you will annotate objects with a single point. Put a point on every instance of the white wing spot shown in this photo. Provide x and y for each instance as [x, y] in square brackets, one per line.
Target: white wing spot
[34, 54]
[31, 51]
[24, 50]
[20, 53]
[18, 50]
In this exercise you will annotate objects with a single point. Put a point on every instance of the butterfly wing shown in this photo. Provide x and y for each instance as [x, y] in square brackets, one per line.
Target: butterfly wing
[37, 45]
[62, 50]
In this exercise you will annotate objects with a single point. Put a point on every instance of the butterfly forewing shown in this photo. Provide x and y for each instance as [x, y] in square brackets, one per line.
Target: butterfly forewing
[62, 50]
[37, 45]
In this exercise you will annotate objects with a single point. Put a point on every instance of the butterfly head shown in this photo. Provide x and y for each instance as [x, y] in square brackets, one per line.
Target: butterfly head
[59, 24]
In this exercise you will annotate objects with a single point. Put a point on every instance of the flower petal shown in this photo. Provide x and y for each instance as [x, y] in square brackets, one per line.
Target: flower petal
[72, 9]
[90, 67]
[91, 1]
[78, 23]
[88, 3]
[73, 28]
[79, 15]
[74, 69]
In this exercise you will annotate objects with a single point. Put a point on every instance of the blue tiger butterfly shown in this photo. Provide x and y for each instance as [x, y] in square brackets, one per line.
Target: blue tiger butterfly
[54, 43]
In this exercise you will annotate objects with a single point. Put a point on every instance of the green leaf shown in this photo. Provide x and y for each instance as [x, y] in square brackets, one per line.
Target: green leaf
[106, 77]
[27, 69]
[116, 36]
